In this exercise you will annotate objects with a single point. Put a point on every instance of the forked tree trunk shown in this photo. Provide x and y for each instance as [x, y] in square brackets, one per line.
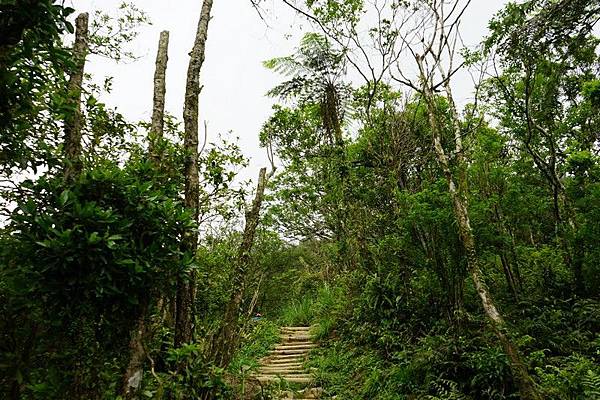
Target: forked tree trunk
[73, 121]
[185, 287]
[132, 378]
[158, 103]
[225, 341]
[458, 194]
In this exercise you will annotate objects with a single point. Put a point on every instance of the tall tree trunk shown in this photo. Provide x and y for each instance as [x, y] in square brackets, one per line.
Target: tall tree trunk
[132, 377]
[333, 127]
[73, 121]
[185, 287]
[158, 103]
[457, 187]
[224, 343]
[510, 273]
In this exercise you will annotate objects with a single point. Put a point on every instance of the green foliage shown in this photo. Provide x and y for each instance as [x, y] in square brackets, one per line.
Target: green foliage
[187, 377]
[109, 33]
[256, 341]
[87, 227]
[32, 61]
[309, 309]
[592, 384]
[80, 261]
[360, 239]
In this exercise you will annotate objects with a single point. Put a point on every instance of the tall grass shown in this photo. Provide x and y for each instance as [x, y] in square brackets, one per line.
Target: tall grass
[320, 310]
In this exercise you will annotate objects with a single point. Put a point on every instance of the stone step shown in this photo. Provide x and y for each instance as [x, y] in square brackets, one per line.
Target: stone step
[289, 351]
[279, 357]
[280, 363]
[295, 346]
[306, 378]
[283, 363]
[295, 328]
[280, 371]
[312, 393]
[296, 338]
[293, 332]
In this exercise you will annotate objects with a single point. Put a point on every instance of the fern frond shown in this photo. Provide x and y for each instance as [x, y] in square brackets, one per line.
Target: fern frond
[285, 65]
[591, 381]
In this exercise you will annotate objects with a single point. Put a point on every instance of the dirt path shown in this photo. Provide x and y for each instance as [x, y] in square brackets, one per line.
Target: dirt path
[286, 363]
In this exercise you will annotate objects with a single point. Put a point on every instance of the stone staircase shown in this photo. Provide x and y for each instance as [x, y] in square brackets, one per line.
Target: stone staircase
[285, 363]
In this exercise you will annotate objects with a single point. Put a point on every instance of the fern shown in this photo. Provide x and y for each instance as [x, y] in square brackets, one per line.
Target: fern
[444, 389]
[591, 383]
[314, 70]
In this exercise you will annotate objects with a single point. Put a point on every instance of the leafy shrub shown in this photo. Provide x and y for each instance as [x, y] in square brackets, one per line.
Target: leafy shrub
[80, 262]
[188, 376]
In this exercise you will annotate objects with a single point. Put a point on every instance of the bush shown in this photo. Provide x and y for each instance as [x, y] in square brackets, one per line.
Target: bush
[80, 262]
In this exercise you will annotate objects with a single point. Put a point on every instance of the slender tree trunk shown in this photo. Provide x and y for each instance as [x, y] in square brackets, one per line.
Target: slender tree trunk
[332, 124]
[185, 287]
[508, 274]
[158, 103]
[225, 341]
[512, 278]
[73, 121]
[458, 194]
[132, 377]
[255, 296]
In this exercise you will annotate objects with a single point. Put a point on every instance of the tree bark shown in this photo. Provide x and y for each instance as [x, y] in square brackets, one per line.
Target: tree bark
[132, 378]
[459, 195]
[185, 287]
[225, 342]
[158, 103]
[133, 375]
[73, 121]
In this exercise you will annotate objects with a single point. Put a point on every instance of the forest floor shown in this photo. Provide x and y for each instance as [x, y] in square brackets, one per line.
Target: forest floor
[285, 364]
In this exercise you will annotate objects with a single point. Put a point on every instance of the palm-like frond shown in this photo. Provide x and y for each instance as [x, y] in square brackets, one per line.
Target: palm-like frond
[285, 65]
[313, 68]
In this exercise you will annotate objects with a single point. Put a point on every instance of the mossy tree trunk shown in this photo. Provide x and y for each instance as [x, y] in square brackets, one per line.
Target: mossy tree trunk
[73, 122]
[185, 285]
[458, 190]
[132, 378]
[225, 341]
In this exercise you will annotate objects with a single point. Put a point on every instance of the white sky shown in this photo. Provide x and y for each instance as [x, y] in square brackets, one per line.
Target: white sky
[235, 82]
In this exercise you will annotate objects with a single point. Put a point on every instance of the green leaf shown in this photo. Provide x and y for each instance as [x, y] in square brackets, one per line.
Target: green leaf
[64, 197]
[94, 238]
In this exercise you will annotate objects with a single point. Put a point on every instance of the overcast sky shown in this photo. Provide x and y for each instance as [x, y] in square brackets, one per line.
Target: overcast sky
[235, 82]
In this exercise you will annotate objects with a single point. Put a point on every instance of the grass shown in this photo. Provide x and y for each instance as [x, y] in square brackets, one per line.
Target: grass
[320, 309]
[256, 343]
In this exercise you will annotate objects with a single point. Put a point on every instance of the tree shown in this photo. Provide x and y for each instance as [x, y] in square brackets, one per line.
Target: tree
[158, 105]
[316, 72]
[437, 57]
[32, 64]
[132, 378]
[225, 340]
[185, 291]
[544, 53]
[73, 120]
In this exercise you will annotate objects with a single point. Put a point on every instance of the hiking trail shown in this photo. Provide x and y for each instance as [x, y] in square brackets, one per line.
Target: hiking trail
[286, 363]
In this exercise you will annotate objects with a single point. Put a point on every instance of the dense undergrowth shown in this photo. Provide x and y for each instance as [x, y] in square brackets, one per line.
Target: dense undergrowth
[439, 250]
[367, 354]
